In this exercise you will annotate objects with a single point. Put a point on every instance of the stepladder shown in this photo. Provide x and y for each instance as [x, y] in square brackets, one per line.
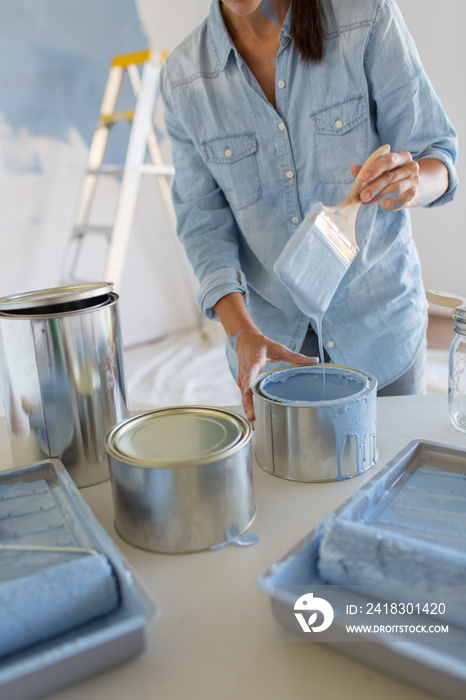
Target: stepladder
[143, 156]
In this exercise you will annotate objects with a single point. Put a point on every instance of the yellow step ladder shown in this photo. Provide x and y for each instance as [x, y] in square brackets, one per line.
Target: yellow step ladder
[142, 69]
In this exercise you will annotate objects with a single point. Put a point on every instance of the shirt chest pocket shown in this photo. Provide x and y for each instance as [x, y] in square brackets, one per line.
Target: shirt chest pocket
[340, 139]
[232, 160]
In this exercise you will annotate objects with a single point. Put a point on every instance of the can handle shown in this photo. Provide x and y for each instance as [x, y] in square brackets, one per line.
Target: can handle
[444, 299]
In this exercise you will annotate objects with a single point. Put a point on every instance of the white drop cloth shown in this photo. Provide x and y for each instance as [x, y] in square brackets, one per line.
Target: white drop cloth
[188, 367]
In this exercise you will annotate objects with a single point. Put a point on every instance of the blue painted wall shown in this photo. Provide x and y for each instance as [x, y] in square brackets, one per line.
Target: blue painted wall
[54, 59]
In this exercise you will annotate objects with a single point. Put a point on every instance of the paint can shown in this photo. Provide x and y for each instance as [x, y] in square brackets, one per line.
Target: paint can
[312, 425]
[61, 376]
[181, 478]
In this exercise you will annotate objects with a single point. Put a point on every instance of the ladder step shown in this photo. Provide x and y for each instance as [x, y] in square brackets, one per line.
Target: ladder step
[156, 169]
[109, 119]
[127, 59]
[106, 170]
[81, 230]
[143, 157]
[145, 169]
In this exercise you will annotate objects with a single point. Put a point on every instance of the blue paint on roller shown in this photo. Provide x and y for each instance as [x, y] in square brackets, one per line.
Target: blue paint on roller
[55, 600]
[413, 538]
[49, 583]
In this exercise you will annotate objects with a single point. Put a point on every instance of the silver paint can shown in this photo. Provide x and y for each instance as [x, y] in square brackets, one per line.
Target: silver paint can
[181, 478]
[61, 376]
[311, 426]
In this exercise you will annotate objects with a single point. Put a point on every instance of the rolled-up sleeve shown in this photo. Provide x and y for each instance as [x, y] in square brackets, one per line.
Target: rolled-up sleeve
[217, 285]
[409, 114]
[205, 224]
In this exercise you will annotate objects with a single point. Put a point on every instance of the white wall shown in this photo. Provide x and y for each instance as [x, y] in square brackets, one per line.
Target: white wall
[167, 23]
[438, 29]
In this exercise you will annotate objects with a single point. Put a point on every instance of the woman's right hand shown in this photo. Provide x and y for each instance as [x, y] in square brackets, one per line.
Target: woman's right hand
[254, 350]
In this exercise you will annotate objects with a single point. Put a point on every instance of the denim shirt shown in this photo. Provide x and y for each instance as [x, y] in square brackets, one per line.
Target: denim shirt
[246, 173]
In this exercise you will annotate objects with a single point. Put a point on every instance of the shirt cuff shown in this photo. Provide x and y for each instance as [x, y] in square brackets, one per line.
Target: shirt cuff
[217, 285]
[448, 195]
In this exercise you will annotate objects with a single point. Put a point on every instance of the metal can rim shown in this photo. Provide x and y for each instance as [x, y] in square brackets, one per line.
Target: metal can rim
[256, 390]
[244, 436]
[54, 296]
[37, 313]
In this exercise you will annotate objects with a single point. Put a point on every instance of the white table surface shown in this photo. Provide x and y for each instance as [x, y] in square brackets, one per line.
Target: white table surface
[214, 639]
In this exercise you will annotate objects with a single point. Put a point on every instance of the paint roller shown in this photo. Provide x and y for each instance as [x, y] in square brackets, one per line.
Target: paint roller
[58, 599]
[404, 547]
[313, 262]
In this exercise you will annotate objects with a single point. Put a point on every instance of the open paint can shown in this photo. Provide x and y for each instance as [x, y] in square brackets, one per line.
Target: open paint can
[181, 478]
[61, 376]
[312, 425]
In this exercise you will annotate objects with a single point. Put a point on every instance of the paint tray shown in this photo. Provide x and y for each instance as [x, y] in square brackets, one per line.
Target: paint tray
[428, 661]
[107, 641]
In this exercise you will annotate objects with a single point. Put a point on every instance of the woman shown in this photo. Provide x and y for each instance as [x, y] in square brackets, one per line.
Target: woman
[270, 106]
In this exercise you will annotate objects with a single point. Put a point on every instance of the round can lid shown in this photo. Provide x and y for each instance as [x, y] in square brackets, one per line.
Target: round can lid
[180, 436]
[55, 295]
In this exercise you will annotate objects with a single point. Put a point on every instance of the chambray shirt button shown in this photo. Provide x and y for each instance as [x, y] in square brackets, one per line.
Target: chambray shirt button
[228, 152]
[290, 174]
[338, 124]
[330, 344]
[281, 126]
[295, 220]
[281, 84]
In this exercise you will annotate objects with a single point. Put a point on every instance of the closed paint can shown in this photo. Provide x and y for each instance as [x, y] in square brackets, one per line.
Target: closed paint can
[181, 478]
[312, 425]
[61, 376]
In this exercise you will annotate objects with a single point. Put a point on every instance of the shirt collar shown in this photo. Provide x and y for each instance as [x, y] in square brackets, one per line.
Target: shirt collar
[221, 41]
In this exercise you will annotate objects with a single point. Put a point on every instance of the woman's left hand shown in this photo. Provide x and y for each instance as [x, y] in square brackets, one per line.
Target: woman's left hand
[396, 181]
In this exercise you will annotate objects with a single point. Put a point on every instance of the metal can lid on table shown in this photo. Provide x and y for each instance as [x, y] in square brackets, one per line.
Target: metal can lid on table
[178, 437]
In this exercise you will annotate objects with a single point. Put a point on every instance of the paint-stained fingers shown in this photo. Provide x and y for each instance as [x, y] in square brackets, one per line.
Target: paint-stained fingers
[248, 405]
[386, 163]
[396, 186]
[397, 199]
[254, 350]
[245, 382]
[280, 353]
[296, 358]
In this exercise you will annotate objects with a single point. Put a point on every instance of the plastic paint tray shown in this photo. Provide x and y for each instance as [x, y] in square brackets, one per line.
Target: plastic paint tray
[93, 647]
[437, 666]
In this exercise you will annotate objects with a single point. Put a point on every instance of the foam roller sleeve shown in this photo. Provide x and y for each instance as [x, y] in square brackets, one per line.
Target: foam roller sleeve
[415, 541]
[50, 602]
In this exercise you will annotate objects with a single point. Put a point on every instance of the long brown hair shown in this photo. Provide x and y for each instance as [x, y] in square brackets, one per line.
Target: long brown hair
[308, 28]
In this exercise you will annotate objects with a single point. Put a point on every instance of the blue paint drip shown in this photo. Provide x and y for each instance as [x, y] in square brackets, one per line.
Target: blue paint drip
[345, 399]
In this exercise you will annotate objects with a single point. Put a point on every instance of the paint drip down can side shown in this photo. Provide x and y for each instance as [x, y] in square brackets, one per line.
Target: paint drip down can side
[311, 426]
[61, 376]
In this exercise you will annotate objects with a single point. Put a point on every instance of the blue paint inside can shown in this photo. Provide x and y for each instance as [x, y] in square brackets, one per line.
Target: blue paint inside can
[311, 384]
[332, 414]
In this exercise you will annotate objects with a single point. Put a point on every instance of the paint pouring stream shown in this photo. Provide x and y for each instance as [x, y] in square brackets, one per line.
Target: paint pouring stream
[318, 254]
